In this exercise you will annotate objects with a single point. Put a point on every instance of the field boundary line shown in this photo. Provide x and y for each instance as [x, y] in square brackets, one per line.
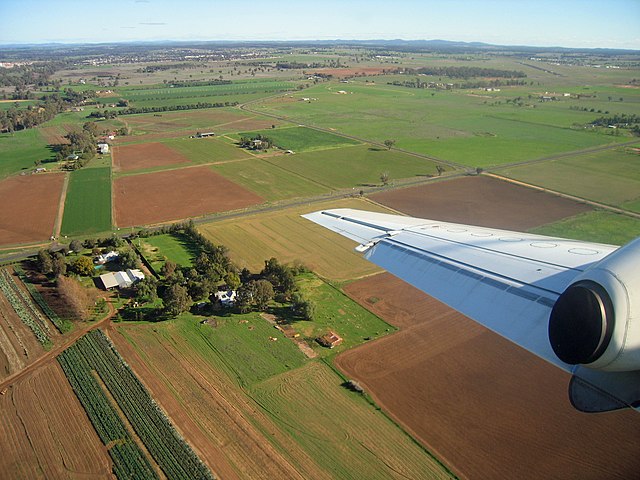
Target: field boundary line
[63, 198]
[602, 206]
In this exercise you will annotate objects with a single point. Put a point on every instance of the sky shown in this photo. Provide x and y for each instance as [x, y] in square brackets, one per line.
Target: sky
[565, 23]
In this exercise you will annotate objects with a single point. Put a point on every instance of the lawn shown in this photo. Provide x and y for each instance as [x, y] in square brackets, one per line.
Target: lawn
[339, 430]
[301, 139]
[175, 247]
[87, 208]
[611, 176]
[287, 236]
[598, 226]
[19, 150]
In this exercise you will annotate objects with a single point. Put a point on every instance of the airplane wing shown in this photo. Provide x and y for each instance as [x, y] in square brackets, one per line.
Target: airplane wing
[507, 281]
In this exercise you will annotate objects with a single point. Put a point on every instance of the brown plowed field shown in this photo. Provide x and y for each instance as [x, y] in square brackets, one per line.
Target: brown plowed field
[482, 201]
[145, 155]
[30, 207]
[487, 408]
[45, 433]
[56, 135]
[175, 194]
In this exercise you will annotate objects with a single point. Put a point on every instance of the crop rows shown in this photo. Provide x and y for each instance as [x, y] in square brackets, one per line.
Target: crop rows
[62, 325]
[170, 451]
[28, 313]
[128, 459]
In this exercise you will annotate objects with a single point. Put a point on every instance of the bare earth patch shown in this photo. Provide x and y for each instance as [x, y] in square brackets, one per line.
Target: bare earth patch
[146, 155]
[45, 432]
[482, 201]
[176, 194]
[487, 408]
[30, 207]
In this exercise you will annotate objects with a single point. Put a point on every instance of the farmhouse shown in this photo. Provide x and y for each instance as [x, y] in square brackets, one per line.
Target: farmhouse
[329, 340]
[204, 134]
[226, 297]
[122, 279]
[106, 257]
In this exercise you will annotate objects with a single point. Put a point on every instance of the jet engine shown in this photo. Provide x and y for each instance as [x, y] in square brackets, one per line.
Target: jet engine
[596, 321]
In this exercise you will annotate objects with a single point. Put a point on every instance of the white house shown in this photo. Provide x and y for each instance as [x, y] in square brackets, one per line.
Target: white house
[106, 257]
[122, 279]
[226, 297]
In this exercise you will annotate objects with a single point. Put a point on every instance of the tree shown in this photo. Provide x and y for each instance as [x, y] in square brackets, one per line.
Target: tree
[384, 178]
[59, 265]
[303, 307]
[168, 268]
[176, 300]
[389, 143]
[128, 258]
[280, 276]
[244, 296]
[83, 266]
[44, 261]
[232, 280]
[440, 169]
[76, 246]
[146, 290]
[263, 293]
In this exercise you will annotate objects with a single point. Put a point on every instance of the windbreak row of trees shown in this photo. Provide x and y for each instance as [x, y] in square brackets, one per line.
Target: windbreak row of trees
[19, 119]
[465, 72]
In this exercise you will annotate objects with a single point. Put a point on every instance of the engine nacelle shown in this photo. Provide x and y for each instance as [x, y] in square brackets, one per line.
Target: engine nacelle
[596, 320]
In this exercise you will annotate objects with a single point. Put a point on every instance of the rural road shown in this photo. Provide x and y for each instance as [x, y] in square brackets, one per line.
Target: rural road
[58, 349]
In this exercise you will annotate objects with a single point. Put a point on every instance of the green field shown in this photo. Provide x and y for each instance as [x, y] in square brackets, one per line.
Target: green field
[311, 405]
[240, 345]
[175, 247]
[301, 139]
[20, 149]
[160, 96]
[598, 226]
[611, 177]
[271, 182]
[353, 167]
[87, 208]
[207, 150]
[458, 125]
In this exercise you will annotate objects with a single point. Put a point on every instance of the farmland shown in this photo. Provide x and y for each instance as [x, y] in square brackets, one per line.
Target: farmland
[288, 237]
[87, 207]
[31, 217]
[169, 451]
[611, 177]
[215, 392]
[175, 194]
[301, 139]
[478, 400]
[298, 428]
[44, 432]
[19, 150]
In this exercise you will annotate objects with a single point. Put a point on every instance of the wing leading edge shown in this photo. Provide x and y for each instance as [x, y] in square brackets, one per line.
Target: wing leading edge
[506, 281]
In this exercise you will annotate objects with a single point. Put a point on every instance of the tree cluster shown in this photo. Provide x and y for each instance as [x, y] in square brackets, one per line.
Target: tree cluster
[258, 142]
[465, 72]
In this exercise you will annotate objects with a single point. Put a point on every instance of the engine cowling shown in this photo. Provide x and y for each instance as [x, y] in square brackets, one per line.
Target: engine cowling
[596, 320]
